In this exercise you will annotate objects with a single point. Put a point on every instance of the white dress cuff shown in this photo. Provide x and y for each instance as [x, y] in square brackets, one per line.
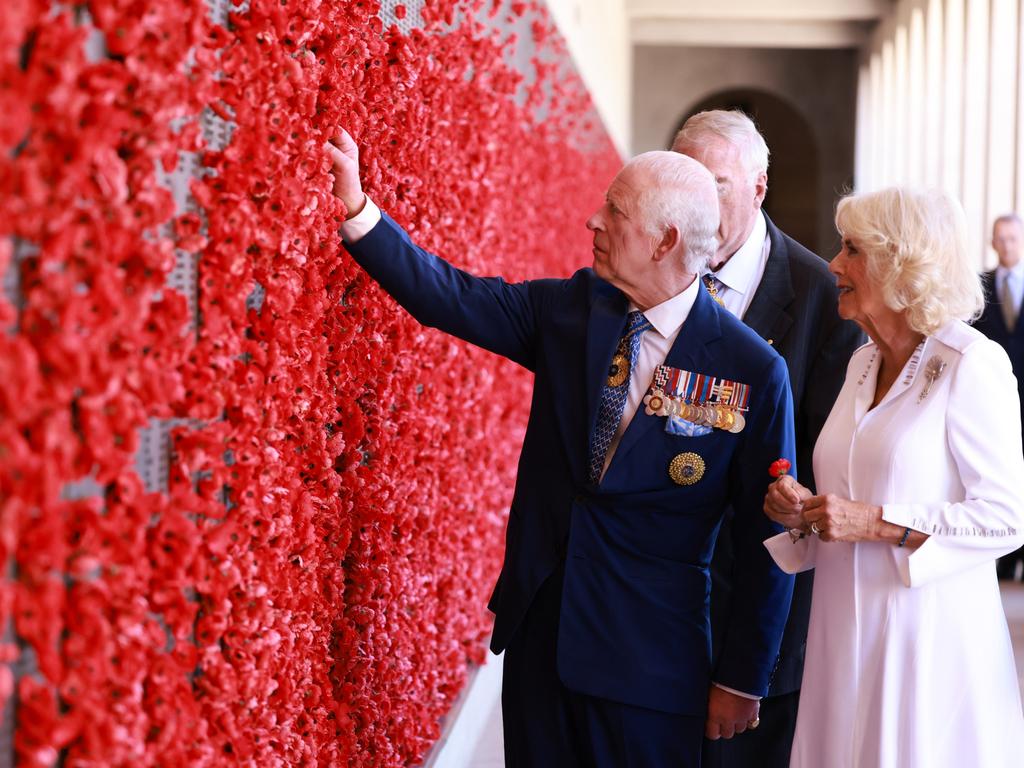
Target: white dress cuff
[903, 515]
[792, 556]
[353, 230]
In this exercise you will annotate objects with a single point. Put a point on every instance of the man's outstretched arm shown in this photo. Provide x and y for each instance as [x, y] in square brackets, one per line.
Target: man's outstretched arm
[489, 312]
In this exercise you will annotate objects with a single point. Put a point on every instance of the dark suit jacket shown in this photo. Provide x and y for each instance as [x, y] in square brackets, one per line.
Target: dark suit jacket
[993, 325]
[795, 307]
[633, 625]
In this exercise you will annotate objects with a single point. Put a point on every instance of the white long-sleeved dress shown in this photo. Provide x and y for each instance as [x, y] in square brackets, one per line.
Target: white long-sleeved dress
[909, 660]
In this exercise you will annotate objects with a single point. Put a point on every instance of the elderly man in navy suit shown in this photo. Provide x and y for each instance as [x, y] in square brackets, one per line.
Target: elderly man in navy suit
[653, 411]
[1001, 322]
[787, 295]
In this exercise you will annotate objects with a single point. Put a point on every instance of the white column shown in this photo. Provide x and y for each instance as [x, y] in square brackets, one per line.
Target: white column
[1019, 165]
[976, 88]
[878, 139]
[863, 146]
[935, 95]
[953, 107]
[901, 106]
[887, 146]
[915, 104]
[1002, 109]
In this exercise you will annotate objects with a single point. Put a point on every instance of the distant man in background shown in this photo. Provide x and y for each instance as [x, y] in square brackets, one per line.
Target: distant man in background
[1000, 321]
[786, 294]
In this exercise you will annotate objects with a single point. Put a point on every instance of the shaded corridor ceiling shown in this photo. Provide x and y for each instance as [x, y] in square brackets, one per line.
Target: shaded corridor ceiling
[755, 23]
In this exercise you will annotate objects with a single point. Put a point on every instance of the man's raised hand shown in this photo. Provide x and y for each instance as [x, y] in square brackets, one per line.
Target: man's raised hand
[345, 169]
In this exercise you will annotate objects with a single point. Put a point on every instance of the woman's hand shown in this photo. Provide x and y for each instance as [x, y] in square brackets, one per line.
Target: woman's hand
[784, 502]
[834, 519]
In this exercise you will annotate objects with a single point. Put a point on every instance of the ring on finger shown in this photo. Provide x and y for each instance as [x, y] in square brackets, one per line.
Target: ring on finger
[815, 529]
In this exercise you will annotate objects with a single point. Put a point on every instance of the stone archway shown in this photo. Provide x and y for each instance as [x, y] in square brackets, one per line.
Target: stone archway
[794, 181]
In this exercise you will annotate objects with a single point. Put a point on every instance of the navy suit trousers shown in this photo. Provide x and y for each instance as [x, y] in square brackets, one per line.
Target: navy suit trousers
[548, 726]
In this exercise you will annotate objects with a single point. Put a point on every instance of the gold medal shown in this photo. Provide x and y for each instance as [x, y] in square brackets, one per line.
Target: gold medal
[686, 469]
[618, 371]
[726, 419]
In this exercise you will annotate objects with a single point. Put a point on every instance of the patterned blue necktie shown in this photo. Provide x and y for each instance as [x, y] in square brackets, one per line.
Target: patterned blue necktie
[614, 393]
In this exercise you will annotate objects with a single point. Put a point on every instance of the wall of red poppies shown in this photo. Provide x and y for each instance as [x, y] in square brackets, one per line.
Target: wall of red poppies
[302, 578]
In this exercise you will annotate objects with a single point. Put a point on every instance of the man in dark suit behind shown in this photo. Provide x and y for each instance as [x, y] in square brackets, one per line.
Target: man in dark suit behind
[601, 605]
[1001, 322]
[787, 295]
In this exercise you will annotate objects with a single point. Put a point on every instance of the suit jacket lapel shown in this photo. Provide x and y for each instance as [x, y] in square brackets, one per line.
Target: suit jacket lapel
[689, 352]
[767, 314]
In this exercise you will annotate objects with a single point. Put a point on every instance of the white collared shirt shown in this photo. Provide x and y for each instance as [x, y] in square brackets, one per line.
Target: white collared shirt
[742, 273]
[667, 318]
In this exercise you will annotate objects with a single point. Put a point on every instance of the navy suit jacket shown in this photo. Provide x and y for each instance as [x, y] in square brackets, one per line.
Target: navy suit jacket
[993, 324]
[795, 305]
[633, 625]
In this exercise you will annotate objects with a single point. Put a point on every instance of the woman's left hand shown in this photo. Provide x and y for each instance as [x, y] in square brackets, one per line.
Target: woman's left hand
[832, 518]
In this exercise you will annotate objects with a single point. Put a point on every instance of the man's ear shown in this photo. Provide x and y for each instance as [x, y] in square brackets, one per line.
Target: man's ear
[669, 242]
[760, 188]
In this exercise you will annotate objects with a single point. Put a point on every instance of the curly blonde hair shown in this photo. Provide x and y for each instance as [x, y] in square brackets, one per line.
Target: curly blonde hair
[915, 243]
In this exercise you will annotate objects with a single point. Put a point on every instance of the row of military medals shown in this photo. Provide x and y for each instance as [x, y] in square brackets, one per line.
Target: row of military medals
[698, 398]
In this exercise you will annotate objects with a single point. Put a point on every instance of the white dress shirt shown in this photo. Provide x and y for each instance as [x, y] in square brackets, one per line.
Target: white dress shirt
[742, 273]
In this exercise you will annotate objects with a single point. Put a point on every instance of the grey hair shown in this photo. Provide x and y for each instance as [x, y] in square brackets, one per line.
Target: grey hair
[678, 191]
[733, 126]
[915, 245]
[1008, 218]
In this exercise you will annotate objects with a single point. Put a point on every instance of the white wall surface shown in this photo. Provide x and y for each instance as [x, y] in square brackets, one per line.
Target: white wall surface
[597, 35]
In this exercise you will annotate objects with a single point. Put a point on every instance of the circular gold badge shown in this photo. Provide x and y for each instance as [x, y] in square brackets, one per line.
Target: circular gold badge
[618, 371]
[686, 469]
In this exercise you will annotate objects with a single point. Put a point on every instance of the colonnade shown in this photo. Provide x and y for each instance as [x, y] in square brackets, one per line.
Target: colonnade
[940, 102]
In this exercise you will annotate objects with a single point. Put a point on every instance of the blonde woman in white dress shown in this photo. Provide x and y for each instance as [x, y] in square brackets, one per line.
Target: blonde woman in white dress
[921, 481]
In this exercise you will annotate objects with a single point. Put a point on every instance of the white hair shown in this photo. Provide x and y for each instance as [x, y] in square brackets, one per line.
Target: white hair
[734, 127]
[678, 191]
[915, 245]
